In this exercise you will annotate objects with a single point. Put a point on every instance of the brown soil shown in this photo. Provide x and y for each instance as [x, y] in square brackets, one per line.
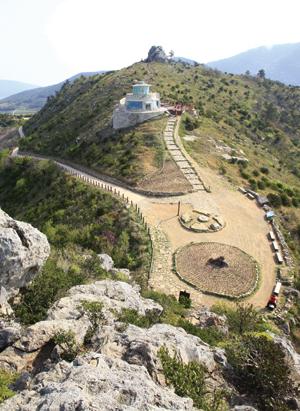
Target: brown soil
[169, 180]
[237, 277]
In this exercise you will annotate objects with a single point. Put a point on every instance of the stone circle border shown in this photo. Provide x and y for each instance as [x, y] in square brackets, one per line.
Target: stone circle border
[212, 293]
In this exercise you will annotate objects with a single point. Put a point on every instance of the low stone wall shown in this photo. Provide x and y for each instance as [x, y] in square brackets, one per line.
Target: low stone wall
[212, 293]
[124, 119]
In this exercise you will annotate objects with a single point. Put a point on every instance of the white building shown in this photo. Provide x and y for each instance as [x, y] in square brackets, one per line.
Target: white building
[139, 106]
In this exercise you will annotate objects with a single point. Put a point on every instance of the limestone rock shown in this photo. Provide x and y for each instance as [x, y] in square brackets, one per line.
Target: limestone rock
[291, 355]
[23, 251]
[107, 262]
[124, 271]
[96, 382]
[114, 295]
[40, 333]
[15, 360]
[5, 308]
[156, 53]
[204, 318]
[9, 333]
[140, 346]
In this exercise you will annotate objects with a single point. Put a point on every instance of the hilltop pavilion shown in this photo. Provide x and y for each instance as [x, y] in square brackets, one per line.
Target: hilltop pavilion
[139, 106]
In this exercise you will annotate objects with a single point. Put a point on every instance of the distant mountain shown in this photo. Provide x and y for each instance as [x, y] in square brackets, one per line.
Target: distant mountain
[34, 99]
[280, 62]
[9, 87]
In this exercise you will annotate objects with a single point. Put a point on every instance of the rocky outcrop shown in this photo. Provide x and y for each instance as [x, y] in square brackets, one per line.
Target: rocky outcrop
[23, 251]
[156, 53]
[107, 263]
[204, 318]
[123, 369]
[140, 346]
[292, 357]
[68, 314]
[96, 382]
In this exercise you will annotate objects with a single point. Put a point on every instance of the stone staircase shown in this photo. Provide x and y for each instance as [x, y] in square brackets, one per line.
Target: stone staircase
[179, 157]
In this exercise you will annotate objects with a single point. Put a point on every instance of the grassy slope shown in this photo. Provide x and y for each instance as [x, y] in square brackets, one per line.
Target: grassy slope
[260, 117]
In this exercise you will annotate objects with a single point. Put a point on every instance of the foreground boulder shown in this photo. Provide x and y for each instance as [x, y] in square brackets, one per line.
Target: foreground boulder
[96, 382]
[122, 371]
[23, 251]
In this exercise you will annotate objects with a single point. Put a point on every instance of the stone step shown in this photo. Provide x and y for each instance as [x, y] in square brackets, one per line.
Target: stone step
[172, 147]
[183, 164]
[178, 158]
[175, 153]
[198, 187]
[189, 171]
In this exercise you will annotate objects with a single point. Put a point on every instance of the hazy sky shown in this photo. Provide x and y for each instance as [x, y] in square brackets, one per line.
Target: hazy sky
[46, 41]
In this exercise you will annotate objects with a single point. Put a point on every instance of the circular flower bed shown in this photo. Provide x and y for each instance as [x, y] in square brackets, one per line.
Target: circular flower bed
[217, 269]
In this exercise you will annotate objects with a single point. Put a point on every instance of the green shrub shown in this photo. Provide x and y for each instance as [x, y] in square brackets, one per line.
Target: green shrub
[264, 170]
[67, 343]
[131, 316]
[185, 301]
[188, 380]
[242, 318]
[190, 123]
[93, 310]
[210, 335]
[6, 379]
[260, 367]
[261, 184]
[275, 200]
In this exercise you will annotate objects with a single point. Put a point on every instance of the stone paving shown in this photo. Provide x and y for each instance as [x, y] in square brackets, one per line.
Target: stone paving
[163, 278]
[179, 156]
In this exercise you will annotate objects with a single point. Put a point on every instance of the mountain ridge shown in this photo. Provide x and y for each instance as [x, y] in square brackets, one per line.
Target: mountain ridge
[33, 99]
[281, 62]
[9, 87]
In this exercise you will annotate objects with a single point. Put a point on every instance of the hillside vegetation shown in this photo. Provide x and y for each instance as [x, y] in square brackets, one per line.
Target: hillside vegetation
[79, 221]
[255, 115]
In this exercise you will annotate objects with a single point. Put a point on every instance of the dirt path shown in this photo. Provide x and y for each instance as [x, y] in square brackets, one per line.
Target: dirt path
[245, 228]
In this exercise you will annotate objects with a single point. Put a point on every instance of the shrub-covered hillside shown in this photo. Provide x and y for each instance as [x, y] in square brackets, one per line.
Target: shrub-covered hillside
[78, 220]
[255, 115]
[76, 123]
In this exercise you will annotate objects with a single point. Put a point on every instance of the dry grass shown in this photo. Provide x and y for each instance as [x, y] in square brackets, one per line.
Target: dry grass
[169, 179]
[238, 278]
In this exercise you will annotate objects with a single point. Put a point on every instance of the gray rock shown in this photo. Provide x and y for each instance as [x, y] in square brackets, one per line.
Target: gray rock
[37, 335]
[67, 314]
[243, 408]
[291, 292]
[9, 334]
[5, 308]
[114, 295]
[23, 251]
[95, 382]
[107, 262]
[156, 53]
[140, 346]
[123, 271]
[205, 318]
[292, 356]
